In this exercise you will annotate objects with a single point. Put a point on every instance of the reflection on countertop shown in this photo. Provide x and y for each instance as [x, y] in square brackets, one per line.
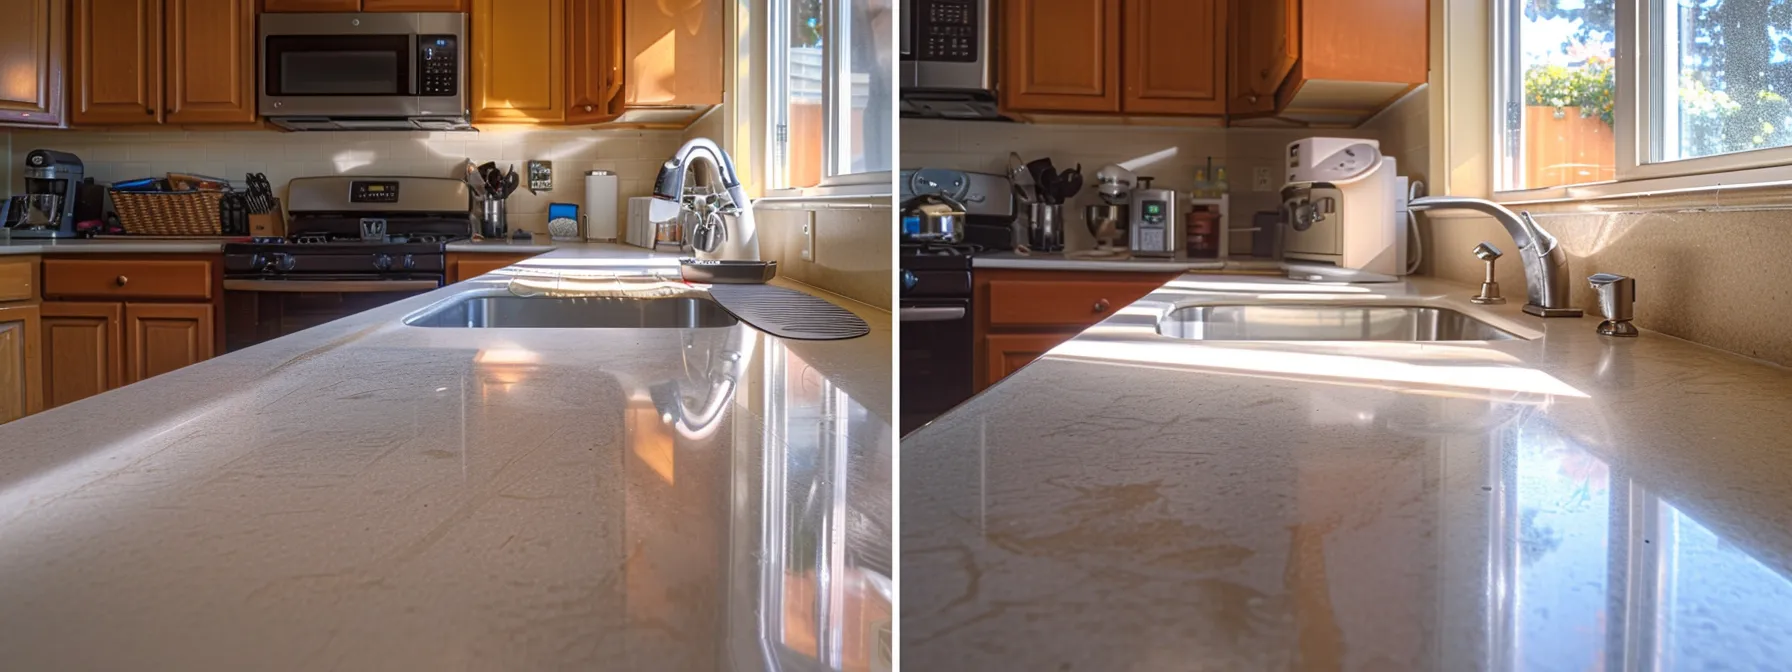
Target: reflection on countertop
[369, 495]
[1555, 501]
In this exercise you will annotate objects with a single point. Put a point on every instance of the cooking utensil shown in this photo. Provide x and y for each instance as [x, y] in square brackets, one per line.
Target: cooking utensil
[1038, 168]
[1046, 232]
[1070, 183]
[1020, 178]
[494, 180]
[233, 215]
[1048, 187]
[510, 182]
[475, 182]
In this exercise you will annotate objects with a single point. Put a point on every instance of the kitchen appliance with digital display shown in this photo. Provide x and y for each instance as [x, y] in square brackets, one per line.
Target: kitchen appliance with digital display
[364, 71]
[1156, 228]
[948, 61]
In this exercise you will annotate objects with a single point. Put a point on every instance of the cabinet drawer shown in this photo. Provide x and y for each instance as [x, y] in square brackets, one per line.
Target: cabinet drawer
[1051, 303]
[18, 278]
[82, 278]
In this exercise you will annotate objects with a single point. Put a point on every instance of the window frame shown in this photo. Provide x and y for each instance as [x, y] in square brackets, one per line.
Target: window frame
[834, 106]
[1639, 30]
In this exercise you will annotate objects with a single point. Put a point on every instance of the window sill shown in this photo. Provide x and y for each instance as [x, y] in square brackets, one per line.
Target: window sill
[1750, 189]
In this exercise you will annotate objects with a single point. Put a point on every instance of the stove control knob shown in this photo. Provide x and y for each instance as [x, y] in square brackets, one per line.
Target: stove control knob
[258, 262]
[382, 262]
[909, 280]
[284, 262]
[410, 262]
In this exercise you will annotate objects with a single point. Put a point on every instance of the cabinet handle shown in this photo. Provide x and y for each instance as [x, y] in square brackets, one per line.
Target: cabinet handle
[122, 281]
[1253, 98]
[149, 111]
[587, 108]
[1101, 305]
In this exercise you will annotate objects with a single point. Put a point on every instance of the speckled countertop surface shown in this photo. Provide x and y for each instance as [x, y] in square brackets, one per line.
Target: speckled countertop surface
[1558, 501]
[368, 495]
[210, 245]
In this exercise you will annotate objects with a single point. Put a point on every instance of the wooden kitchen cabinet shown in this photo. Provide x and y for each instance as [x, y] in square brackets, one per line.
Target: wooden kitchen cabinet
[1020, 314]
[33, 48]
[1175, 57]
[1007, 353]
[164, 61]
[116, 61]
[21, 391]
[159, 338]
[472, 265]
[83, 350]
[674, 52]
[519, 61]
[594, 69]
[1061, 56]
[1264, 36]
[311, 5]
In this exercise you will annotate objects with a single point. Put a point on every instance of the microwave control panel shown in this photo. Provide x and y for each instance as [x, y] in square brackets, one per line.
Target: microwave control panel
[440, 65]
[946, 30]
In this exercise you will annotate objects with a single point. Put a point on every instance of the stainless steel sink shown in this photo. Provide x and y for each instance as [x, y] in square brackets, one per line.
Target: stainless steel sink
[1319, 322]
[520, 312]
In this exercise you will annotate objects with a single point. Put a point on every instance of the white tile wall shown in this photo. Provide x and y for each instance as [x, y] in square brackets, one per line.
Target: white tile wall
[632, 154]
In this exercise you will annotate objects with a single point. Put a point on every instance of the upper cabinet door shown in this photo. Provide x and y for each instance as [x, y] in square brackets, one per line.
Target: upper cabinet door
[33, 41]
[1265, 44]
[594, 39]
[211, 61]
[674, 52]
[311, 5]
[1175, 57]
[1061, 55]
[117, 62]
[413, 5]
[519, 60]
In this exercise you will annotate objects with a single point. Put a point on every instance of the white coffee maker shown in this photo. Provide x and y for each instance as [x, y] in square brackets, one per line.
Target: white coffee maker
[1345, 206]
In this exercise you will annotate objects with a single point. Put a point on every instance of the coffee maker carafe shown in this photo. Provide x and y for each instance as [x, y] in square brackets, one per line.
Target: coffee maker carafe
[52, 180]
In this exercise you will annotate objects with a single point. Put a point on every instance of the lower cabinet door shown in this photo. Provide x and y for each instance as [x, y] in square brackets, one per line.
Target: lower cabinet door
[163, 337]
[20, 391]
[82, 350]
[1007, 353]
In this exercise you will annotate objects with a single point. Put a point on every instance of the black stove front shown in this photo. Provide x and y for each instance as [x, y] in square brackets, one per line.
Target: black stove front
[935, 309]
[275, 287]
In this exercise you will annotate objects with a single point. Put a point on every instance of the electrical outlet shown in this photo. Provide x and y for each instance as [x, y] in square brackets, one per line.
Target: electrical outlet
[809, 237]
[1260, 180]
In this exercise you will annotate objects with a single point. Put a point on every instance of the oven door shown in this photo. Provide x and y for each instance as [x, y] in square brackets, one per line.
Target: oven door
[936, 358]
[259, 310]
[362, 65]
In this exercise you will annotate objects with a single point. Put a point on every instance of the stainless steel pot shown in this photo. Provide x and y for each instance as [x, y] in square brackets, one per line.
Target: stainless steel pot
[1046, 233]
[932, 218]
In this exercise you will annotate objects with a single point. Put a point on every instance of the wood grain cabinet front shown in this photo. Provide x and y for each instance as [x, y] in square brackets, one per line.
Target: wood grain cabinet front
[160, 338]
[128, 279]
[413, 5]
[83, 350]
[211, 61]
[311, 5]
[33, 54]
[21, 391]
[594, 72]
[519, 61]
[1175, 57]
[1061, 55]
[146, 62]
[117, 62]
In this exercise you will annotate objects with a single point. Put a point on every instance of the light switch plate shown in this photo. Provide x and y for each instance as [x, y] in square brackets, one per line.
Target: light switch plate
[809, 237]
[1260, 180]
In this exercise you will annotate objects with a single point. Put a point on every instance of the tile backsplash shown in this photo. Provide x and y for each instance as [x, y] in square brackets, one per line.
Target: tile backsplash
[633, 154]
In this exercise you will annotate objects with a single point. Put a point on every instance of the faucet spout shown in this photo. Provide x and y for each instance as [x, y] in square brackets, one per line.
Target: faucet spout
[739, 238]
[1545, 264]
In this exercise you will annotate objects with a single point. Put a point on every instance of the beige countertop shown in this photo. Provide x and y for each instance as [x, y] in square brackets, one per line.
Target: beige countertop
[210, 245]
[369, 495]
[1557, 501]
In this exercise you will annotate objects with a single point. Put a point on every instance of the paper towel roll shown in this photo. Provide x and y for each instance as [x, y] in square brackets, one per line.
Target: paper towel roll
[601, 188]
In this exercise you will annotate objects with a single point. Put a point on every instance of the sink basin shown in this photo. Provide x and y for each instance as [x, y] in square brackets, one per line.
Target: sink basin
[519, 312]
[1319, 322]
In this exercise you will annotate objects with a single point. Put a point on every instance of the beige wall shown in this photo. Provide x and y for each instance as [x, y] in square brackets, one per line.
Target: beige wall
[853, 249]
[111, 157]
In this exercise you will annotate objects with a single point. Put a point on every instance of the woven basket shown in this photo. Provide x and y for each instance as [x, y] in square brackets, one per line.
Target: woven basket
[169, 213]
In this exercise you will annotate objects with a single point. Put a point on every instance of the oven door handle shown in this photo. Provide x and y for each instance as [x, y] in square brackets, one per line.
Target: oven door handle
[330, 286]
[930, 314]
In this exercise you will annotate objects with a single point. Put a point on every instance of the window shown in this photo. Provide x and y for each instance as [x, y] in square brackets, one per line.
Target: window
[830, 93]
[1705, 91]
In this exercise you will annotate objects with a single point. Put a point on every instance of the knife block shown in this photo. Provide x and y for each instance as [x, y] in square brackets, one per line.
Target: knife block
[270, 224]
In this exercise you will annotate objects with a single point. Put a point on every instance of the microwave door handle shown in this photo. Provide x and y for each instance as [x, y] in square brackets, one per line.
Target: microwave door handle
[417, 65]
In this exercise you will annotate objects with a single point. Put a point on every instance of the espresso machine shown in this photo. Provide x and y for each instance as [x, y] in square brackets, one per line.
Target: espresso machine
[47, 208]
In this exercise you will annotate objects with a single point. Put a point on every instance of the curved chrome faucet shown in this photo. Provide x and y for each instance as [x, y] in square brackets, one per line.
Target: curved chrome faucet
[712, 238]
[1545, 264]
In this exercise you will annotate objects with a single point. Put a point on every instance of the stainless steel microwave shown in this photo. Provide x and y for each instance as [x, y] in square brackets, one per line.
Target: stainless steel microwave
[948, 65]
[386, 71]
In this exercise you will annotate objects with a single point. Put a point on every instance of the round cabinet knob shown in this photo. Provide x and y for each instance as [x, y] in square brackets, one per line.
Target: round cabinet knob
[1253, 98]
[122, 281]
[382, 262]
[587, 108]
[1101, 305]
